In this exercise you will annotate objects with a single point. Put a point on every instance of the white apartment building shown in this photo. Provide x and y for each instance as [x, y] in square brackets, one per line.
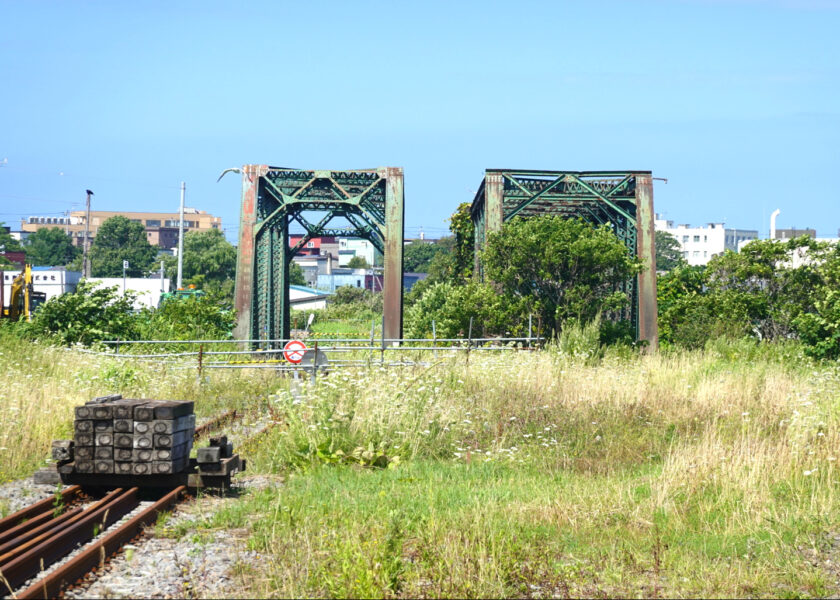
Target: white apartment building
[350, 247]
[700, 244]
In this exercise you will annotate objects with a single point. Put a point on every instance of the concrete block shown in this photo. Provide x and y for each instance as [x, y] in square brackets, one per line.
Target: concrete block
[142, 426]
[103, 466]
[103, 453]
[124, 425]
[123, 440]
[104, 439]
[172, 440]
[143, 440]
[173, 425]
[142, 455]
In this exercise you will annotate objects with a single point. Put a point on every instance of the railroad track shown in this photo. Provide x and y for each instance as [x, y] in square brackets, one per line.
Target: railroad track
[41, 535]
[44, 534]
[216, 423]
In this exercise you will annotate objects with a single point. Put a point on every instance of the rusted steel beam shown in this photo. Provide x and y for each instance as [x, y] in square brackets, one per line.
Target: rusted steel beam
[393, 255]
[243, 292]
[91, 557]
[647, 316]
[494, 193]
[14, 519]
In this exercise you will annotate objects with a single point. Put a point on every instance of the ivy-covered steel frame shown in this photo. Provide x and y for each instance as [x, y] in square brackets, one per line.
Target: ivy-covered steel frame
[624, 199]
[370, 200]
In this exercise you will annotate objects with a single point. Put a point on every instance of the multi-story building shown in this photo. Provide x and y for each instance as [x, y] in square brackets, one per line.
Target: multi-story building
[787, 234]
[700, 244]
[316, 246]
[161, 228]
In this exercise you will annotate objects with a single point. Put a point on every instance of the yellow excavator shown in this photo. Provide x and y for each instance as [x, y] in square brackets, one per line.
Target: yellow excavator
[22, 299]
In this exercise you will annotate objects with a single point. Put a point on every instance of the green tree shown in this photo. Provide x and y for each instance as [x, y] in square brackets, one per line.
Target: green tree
[770, 290]
[560, 268]
[51, 246]
[119, 239]
[461, 225]
[761, 287]
[668, 251]
[358, 262]
[819, 329]
[418, 256]
[7, 244]
[296, 276]
[209, 261]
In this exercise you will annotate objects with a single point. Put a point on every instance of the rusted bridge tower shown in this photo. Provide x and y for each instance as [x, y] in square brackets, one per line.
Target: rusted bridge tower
[622, 198]
[370, 200]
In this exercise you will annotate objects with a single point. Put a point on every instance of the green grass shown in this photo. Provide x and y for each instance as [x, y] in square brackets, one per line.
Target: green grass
[554, 473]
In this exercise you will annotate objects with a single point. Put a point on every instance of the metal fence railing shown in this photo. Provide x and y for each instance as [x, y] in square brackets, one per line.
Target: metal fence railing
[338, 352]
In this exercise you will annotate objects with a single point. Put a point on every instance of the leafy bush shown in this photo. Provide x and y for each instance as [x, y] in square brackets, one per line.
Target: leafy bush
[560, 269]
[451, 306]
[208, 317]
[90, 314]
[771, 290]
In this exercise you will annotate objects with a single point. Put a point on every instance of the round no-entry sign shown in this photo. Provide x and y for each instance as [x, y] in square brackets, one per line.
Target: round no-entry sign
[294, 350]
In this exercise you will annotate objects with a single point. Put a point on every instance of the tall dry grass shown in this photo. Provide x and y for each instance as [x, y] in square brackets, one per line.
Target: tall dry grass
[41, 384]
[687, 473]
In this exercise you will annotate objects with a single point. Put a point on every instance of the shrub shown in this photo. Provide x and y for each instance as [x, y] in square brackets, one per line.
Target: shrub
[92, 313]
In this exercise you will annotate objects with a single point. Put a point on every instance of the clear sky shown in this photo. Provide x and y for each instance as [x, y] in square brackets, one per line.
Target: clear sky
[735, 102]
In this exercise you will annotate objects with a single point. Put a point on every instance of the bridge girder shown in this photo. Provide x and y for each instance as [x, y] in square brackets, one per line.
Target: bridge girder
[371, 200]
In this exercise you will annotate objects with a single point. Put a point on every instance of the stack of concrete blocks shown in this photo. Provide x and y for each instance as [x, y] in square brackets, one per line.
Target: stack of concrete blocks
[131, 437]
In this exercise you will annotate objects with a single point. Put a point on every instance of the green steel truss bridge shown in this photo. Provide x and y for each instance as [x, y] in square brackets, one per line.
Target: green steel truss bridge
[369, 201]
[623, 199]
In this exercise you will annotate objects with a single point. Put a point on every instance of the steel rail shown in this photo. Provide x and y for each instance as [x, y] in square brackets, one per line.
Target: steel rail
[215, 423]
[93, 555]
[22, 566]
[31, 537]
[16, 518]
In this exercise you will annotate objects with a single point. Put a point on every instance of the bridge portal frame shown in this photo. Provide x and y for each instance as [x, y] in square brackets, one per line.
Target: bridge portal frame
[371, 200]
[622, 198]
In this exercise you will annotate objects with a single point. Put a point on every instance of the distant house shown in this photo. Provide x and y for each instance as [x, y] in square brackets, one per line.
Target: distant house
[305, 298]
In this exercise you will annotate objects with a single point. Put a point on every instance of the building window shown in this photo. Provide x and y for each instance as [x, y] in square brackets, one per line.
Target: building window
[152, 222]
[696, 238]
[696, 253]
[705, 254]
[310, 244]
[685, 239]
[705, 238]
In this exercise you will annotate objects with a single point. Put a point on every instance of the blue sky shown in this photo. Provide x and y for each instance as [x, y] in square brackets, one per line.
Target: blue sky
[735, 102]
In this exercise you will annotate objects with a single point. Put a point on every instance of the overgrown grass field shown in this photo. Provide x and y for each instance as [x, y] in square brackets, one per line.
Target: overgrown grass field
[552, 473]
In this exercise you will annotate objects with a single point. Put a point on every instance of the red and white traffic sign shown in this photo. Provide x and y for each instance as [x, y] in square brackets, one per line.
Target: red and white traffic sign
[294, 351]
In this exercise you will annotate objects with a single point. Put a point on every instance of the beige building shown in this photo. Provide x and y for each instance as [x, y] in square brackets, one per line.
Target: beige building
[161, 228]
